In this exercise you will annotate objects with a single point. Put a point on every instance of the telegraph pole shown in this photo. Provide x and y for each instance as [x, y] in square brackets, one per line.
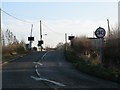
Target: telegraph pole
[40, 34]
[65, 41]
[118, 25]
[40, 42]
[0, 24]
[109, 34]
[31, 36]
[31, 39]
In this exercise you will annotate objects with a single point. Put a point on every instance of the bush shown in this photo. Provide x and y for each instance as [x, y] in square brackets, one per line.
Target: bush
[111, 57]
[112, 74]
[81, 44]
[71, 55]
[13, 49]
[111, 52]
[20, 50]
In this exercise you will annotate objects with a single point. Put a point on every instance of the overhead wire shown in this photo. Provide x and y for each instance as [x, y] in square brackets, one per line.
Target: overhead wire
[15, 17]
[52, 29]
[30, 22]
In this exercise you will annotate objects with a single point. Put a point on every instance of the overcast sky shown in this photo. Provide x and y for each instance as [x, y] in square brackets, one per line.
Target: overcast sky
[58, 18]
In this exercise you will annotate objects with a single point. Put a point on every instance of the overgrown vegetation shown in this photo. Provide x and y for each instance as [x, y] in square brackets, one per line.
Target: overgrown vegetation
[84, 48]
[11, 46]
[86, 58]
[111, 51]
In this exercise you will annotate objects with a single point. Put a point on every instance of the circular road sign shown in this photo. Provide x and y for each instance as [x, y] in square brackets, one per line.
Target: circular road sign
[100, 32]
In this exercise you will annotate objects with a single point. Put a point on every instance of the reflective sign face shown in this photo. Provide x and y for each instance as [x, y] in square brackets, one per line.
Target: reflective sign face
[100, 32]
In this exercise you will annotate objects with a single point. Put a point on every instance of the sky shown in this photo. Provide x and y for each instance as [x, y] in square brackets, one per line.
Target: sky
[58, 18]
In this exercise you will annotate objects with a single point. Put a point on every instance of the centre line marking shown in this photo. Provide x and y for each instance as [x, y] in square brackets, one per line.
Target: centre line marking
[38, 63]
[44, 55]
[44, 79]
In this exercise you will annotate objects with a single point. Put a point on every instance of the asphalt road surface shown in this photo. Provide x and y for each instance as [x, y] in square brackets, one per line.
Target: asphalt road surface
[49, 70]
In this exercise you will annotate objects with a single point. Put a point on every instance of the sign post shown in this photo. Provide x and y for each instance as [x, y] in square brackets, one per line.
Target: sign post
[100, 33]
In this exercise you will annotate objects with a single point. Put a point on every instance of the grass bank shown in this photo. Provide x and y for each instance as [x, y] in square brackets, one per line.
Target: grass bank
[112, 74]
[10, 52]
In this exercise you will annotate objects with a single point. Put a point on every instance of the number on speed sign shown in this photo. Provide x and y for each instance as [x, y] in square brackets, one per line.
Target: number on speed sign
[100, 32]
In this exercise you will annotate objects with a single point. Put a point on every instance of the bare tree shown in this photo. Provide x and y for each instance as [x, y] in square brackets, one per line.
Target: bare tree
[10, 38]
[3, 39]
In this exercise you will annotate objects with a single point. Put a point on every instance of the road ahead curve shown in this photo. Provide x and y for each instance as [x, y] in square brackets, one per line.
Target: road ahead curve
[48, 70]
[57, 69]
[16, 74]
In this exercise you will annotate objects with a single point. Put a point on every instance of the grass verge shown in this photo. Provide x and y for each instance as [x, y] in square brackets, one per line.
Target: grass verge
[111, 74]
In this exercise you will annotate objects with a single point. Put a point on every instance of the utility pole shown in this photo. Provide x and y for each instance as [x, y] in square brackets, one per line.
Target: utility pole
[0, 27]
[31, 39]
[109, 33]
[0, 50]
[31, 30]
[65, 41]
[118, 20]
[40, 42]
[40, 34]
[93, 34]
[31, 36]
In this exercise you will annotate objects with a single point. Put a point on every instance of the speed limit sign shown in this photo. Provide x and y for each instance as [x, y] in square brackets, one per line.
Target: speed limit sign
[100, 32]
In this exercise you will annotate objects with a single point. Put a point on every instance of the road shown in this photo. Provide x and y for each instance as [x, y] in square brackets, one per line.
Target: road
[48, 70]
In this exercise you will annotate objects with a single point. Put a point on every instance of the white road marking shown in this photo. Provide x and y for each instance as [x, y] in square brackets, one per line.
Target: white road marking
[37, 70]
[41, 59]
[38, 63]
[44, 79]
[9, 61]
[35, 66]
[44, 55]
[4, 63]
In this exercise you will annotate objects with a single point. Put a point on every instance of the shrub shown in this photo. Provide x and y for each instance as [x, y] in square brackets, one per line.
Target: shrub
[111, 51]
[20, 49]
[112, 74]
[10, 49]
[81, 44]
[110, 55]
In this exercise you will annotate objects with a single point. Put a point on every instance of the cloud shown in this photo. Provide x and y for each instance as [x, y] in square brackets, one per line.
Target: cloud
[76, 26]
